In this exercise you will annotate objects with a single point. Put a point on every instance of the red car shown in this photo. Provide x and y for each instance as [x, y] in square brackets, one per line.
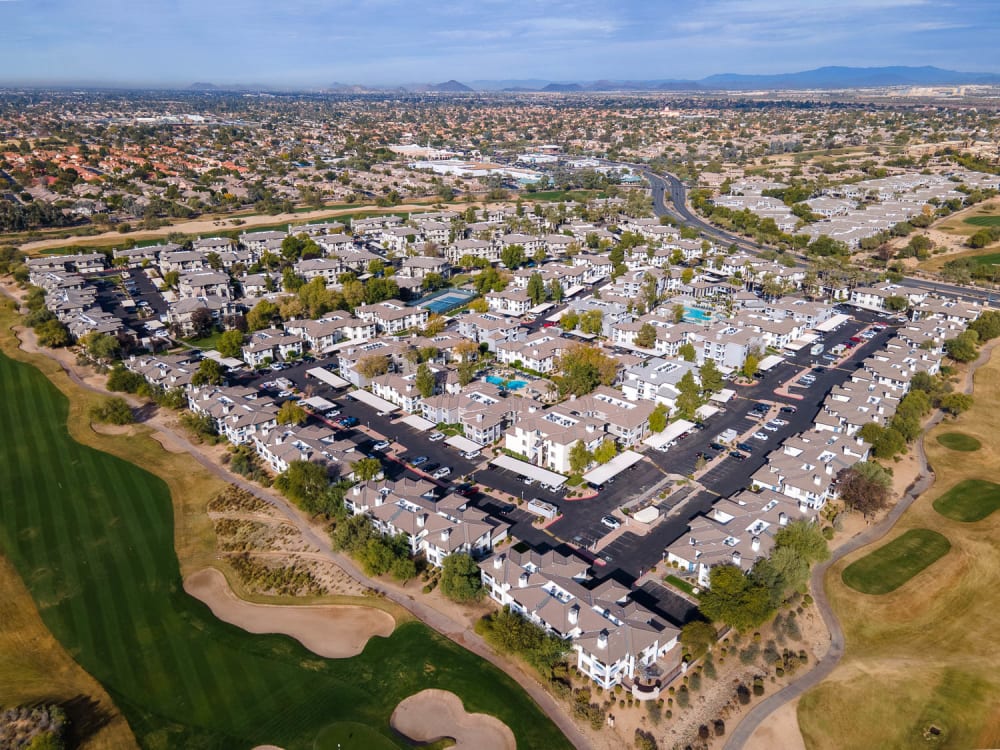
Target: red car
[548, 324]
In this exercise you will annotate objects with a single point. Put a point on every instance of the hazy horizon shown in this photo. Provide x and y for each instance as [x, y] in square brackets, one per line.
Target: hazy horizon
[310, 43]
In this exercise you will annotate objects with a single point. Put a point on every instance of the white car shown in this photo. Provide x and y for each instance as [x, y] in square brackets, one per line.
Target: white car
[771, 427]
[760, 435]
[381, 445]
[441, 473]
[435, 436]
[332, 413]
[470, 454]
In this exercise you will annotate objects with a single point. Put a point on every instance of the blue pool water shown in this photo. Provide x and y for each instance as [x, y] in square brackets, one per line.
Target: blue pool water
[510, 385]
[696, 315]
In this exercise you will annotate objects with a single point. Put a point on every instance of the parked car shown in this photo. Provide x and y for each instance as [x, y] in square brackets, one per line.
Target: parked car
[771, 427]
[706, 456]
[432, 467]
[470, 455]
[717, 446]
[528, 481]
[332, 413]
[737, 455]
[381, 445]
[383, 414]
[760, 435]
[442, 472]
[789, 409]
[611, 522]
[419, 460]
[435, 436]
[350, 421]
[779, 422]
[745, 447]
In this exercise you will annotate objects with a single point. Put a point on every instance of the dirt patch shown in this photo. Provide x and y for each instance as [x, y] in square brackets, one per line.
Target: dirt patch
[331, 631]
[434, 714]
[780, 729]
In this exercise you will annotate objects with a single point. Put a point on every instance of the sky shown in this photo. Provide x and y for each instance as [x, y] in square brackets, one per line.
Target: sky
[313, 43]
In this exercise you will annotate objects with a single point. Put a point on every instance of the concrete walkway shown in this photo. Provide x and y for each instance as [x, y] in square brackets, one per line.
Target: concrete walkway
[825, 666]
[459, 632]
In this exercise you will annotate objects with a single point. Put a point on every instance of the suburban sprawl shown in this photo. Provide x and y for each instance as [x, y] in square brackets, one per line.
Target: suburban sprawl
[611, 372]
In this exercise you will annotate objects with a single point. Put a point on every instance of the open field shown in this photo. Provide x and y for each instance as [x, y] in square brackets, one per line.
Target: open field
[92, 537]
[925, 653]
[959, 441]
[969, 501]
[893, 564]
[35, 668]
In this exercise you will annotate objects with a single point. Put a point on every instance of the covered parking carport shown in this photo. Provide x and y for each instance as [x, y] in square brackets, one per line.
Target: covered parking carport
[614, 467]
[530, 471]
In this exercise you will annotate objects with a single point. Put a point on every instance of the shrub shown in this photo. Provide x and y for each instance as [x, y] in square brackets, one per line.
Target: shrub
[114, 410]
[743, 694]
[720, 727]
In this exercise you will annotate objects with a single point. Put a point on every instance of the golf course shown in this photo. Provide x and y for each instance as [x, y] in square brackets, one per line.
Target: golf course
[92, 537]
[920, 667]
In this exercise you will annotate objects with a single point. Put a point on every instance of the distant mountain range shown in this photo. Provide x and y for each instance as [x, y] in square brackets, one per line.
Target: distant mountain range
[832, 77]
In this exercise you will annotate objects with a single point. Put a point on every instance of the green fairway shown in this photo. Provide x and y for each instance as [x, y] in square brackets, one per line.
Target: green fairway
[893, 564]
[92, 538]
[959, 441]
[984, 221]
[969, 501]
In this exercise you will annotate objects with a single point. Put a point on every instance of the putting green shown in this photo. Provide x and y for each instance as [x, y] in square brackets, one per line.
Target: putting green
[959, 441]
[92, 537]
[969, 501]
[895, 563]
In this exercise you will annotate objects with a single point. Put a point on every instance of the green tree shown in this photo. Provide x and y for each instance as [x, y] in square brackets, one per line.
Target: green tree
[592, 322]
[689, 398]
[230, 344]
[677, 312]
[569, 320]
[114, 410]
[536, 289]
[53, 334]
[209, 372]
[750, 365]
[304, 483]
[262, 315]
[102, 347]
[579, 457]
[607, 450]
[805, 539]
[698, 637]
[366, 469]
[583, 368]
[711, 378]
[735, 599]
[512, 256]
[291, 413]
[987, 325]
[687, 352]
[956, 403]
[646, 337]
[658, 418]
[896, 303]
[372, 365]
[425, 381]
[556, 290]
[964, 347]
[461, 580]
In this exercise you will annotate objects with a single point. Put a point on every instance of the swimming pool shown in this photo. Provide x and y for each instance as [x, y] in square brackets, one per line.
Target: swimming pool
[510, 385]
[697, 315]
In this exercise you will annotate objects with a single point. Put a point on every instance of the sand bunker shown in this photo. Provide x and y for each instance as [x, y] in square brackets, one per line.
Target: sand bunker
[333, 631]
[430, 715]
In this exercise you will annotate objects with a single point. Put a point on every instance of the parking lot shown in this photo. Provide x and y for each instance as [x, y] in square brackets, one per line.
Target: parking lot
[580, 525]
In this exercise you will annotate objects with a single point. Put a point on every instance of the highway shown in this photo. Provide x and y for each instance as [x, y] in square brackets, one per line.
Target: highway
[678, 209]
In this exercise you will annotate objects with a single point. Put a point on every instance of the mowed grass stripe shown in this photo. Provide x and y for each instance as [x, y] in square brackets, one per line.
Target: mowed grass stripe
[189, 680]
[893, 564]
